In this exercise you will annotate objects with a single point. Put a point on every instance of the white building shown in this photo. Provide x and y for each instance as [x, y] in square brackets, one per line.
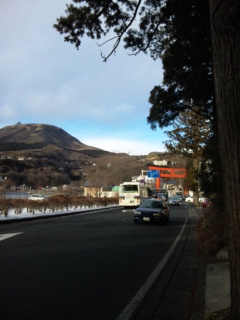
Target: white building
[160, 162]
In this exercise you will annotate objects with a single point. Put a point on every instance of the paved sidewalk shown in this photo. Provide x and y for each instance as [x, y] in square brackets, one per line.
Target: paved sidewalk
[173, 297]
[217, 282]
[217, 292]
[195, 288]
[178, 301]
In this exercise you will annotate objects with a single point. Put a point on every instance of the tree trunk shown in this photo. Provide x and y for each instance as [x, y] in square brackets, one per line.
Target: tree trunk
[225, 29]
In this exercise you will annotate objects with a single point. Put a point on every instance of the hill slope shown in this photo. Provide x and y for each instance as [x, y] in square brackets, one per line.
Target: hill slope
[45, 155]
[40, 154]
[30, 136]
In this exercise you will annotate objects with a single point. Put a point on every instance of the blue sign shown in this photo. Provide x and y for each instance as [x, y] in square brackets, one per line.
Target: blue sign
[153, 174]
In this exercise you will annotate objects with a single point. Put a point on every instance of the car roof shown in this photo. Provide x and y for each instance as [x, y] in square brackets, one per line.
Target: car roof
[150, 201]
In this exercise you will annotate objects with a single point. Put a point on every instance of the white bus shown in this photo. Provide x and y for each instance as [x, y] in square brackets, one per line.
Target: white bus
[130, 193]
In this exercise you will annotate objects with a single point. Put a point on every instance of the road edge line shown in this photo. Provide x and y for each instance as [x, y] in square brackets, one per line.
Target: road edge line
[139, 296]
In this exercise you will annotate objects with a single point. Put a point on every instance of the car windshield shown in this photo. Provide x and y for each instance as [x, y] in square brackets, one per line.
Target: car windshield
[151, 204]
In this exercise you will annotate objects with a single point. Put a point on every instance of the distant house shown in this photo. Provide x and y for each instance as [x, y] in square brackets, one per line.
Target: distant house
[95, 190]
[92, 189]
[20, 158]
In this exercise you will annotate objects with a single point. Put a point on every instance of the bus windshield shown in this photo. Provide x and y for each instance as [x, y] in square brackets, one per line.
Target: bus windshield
[129, 188]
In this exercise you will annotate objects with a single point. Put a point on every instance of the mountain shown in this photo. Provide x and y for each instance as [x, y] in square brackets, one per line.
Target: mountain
[45, 155]
[42, 138]
[40, 134]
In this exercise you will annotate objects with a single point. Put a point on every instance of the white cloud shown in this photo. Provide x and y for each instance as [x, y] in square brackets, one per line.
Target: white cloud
[45, 80]
[7, 112]
[131, 147]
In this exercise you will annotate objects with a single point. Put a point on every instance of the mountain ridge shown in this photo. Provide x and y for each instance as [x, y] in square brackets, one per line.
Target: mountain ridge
[45, 155]
[39, 135]
[38, 141]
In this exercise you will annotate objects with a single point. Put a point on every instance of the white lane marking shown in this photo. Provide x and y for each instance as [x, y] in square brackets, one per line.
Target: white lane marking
[8, 235]
[136, 300]
[126, 218]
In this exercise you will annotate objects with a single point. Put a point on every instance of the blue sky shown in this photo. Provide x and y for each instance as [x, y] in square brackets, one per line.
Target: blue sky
[45, 80]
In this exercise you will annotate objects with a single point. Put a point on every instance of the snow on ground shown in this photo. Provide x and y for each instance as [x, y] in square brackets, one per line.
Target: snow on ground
[12, 215]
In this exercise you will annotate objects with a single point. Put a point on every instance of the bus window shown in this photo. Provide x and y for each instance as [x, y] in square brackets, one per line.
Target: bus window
[129, 188]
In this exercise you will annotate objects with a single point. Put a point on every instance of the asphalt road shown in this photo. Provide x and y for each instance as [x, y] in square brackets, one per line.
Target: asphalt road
[87, 266]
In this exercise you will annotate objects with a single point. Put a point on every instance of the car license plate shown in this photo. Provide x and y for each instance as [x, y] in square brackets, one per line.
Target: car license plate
[146, 218]
[131, 201]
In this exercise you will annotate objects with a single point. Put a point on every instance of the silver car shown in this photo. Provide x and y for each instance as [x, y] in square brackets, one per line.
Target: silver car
[174, 201]
[37, 197]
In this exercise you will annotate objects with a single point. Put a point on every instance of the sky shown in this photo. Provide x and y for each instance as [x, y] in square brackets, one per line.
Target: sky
[45, 80]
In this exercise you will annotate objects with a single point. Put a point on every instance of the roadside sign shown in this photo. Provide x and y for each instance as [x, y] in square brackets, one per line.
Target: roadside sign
[153, 173]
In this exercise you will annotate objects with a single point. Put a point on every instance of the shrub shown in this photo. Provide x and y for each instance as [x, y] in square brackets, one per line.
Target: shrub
[19, 205]
[211, 235]
[55, 203]
[5, 205]
[76, 202]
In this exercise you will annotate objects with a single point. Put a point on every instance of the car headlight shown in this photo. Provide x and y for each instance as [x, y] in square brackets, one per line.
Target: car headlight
[157, 214]
[136, 212]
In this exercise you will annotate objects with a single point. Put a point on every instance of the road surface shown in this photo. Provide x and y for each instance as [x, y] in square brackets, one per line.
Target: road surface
[87, 266]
